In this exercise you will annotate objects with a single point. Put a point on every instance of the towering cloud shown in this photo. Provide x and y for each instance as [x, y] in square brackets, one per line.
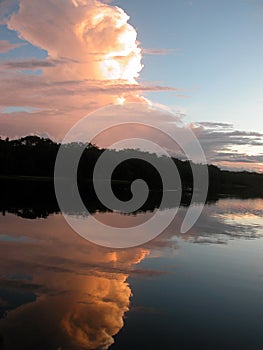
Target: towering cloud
[92, 59]
[96, 38]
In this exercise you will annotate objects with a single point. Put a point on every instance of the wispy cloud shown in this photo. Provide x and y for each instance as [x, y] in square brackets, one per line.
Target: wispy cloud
[159, 51]
[223, 145]
[93, 59]
[35, 63]
[6, 46]
[78, 30]
[216, 125]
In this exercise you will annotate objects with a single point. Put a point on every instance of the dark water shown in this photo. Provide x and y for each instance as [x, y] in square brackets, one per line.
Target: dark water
[200, 290]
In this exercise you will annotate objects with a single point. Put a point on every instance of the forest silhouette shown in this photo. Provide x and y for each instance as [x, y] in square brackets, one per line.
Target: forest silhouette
[27, 173]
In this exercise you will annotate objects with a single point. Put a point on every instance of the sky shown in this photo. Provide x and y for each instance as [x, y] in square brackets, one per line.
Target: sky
[202, 59]
[214, 54]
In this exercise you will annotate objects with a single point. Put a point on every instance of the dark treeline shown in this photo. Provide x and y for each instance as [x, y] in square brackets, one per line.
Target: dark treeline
[33, 156]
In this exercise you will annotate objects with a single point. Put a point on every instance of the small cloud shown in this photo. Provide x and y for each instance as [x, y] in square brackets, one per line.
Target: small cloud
[35, 63]
[159, 51]
[6, 46]
[216, 125]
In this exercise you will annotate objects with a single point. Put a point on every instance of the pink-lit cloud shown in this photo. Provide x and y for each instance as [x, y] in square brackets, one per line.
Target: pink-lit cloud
[91, 32]
[6, 46]
[93, 58]
[160, 51]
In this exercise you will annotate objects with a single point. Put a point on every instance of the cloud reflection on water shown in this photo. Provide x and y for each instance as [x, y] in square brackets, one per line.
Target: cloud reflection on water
[59, 291]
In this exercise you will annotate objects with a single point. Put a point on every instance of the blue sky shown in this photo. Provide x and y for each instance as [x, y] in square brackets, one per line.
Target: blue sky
[201, 58]
[217, 59]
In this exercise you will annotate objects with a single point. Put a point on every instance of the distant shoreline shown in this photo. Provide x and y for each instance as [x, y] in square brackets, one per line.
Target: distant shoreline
[32, 159]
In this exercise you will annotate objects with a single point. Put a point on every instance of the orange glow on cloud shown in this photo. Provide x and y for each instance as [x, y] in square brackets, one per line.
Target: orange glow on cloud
[83, 291]
[93, 59]
[94, 37]
[108, 36]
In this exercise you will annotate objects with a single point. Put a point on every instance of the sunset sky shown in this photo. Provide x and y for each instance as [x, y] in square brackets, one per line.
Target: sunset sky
[203, 59]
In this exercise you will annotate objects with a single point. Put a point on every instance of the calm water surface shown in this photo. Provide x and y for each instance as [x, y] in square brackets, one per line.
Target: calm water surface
[201, 290]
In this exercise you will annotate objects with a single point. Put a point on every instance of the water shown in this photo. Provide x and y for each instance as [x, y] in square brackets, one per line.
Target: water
[200, 290]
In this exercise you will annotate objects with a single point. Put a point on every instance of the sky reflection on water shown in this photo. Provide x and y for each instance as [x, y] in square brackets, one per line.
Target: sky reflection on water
[198, 290]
